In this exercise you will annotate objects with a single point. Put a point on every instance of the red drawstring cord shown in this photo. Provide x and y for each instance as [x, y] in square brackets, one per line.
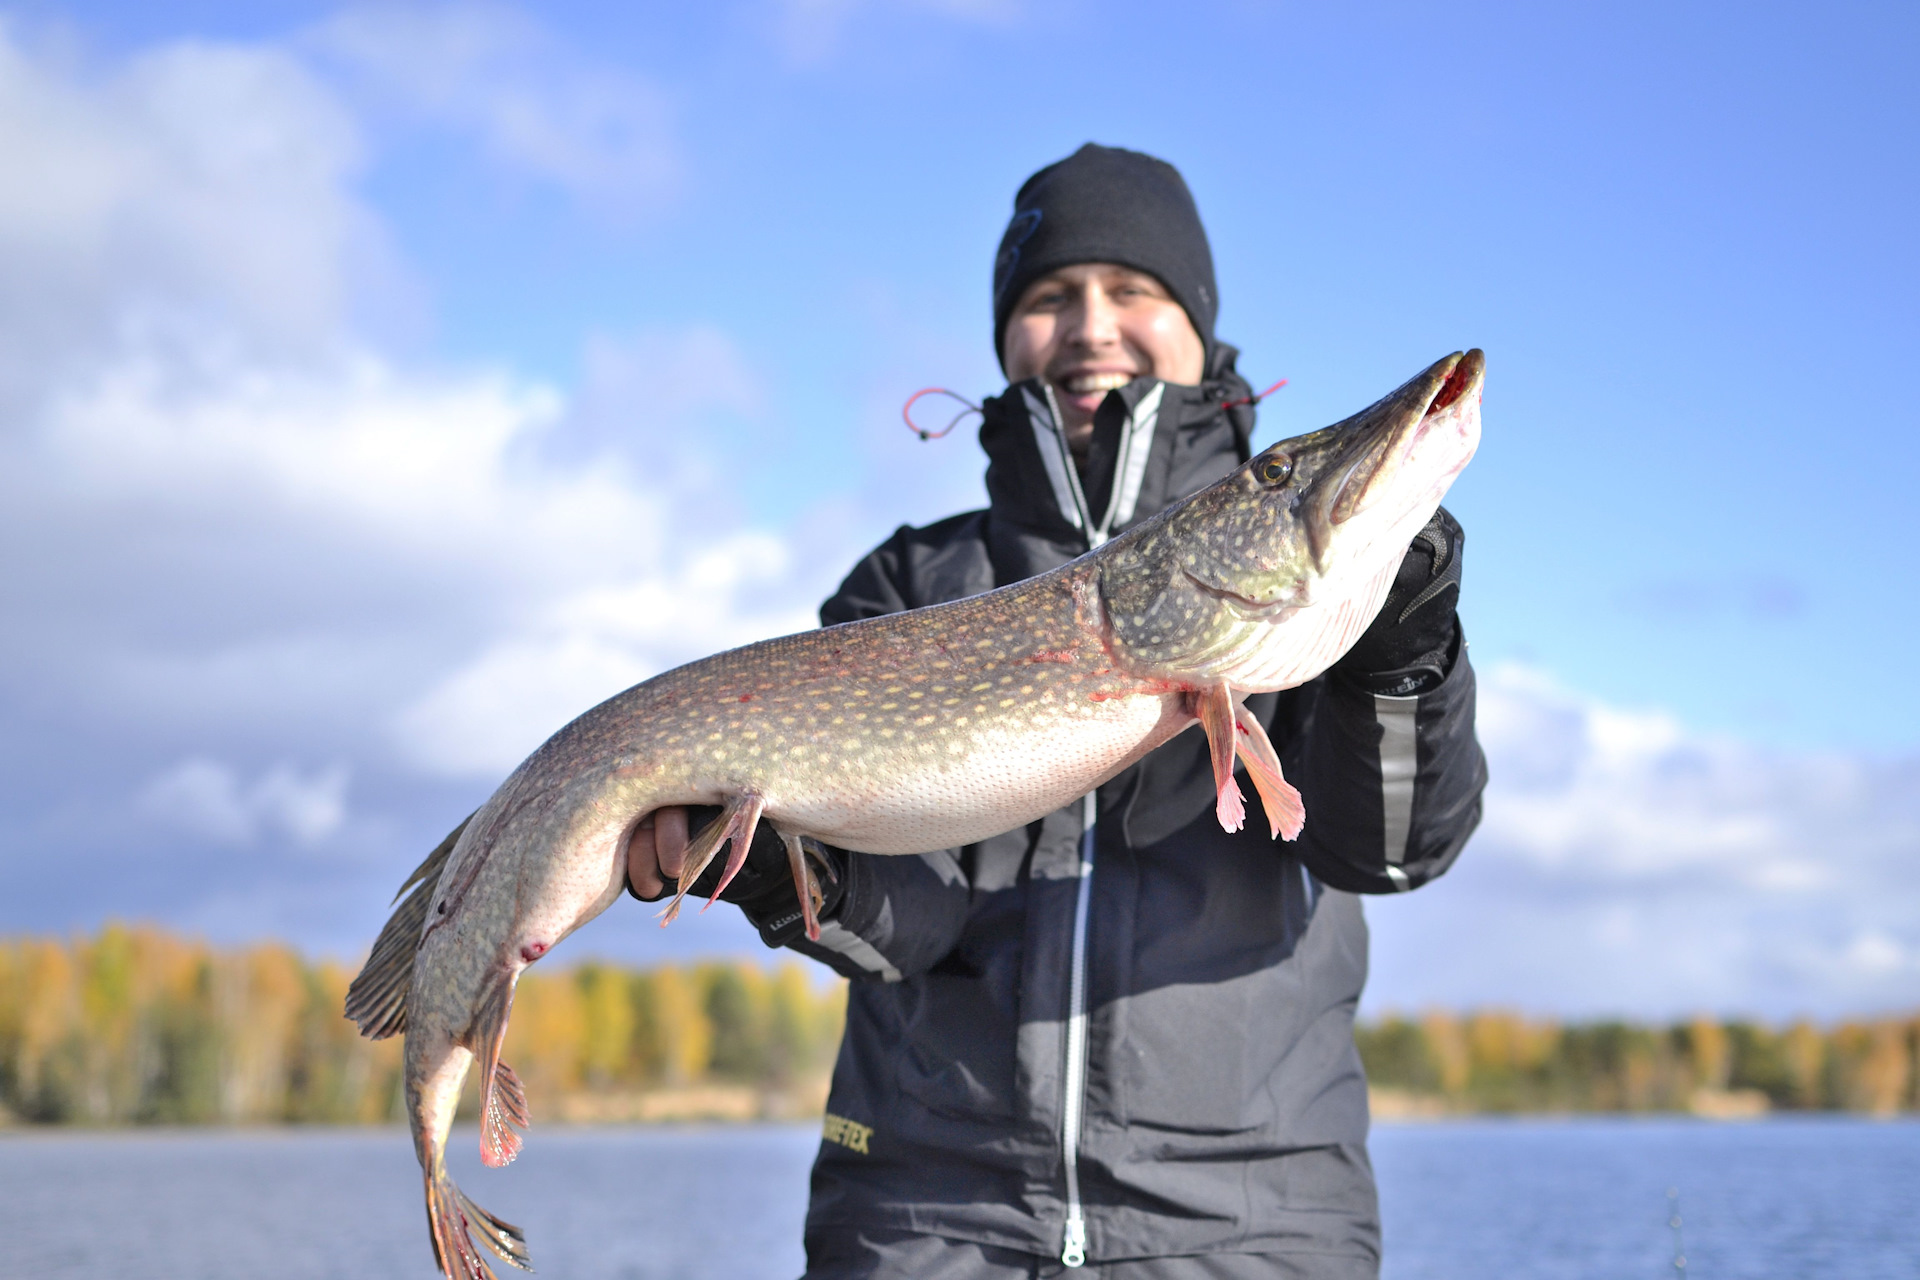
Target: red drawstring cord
[927, 433]
[906, 412]
[1234, 404]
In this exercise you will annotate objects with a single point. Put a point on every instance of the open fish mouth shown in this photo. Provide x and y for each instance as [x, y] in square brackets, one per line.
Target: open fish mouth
[1404, 421]
[1422, 433]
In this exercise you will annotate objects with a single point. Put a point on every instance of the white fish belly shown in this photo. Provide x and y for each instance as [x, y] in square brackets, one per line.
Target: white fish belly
[937, 794]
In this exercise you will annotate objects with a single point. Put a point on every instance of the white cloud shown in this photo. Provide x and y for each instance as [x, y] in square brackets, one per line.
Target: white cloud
[1631, 798]
[539, 107]
[233, 529]
[207, 798]
[485, 717]
[1627, 863]
[193, 184]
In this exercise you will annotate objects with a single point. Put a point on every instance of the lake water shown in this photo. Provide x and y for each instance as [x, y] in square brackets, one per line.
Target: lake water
[1530, 1198]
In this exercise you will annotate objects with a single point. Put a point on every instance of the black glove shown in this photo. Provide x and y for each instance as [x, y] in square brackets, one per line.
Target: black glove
[1410, 646]
[763, 889]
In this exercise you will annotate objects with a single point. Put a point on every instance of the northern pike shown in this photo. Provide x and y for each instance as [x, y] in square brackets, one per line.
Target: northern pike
[907, 733]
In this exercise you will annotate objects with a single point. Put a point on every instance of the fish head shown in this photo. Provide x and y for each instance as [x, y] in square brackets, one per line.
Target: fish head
[1266, 577]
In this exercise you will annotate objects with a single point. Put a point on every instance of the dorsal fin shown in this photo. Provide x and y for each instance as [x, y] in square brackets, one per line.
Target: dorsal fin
[377, 1000]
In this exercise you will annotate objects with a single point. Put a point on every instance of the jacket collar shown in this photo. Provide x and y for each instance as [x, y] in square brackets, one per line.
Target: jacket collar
[1154, 443]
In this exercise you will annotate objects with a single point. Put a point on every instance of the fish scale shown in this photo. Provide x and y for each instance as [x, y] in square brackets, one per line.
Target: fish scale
[903, 734]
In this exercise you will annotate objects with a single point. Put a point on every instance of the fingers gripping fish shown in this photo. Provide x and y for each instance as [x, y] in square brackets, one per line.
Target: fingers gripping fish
[921, 730]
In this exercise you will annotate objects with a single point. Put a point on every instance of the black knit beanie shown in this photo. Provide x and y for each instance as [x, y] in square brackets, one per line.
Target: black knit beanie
[1105, 204]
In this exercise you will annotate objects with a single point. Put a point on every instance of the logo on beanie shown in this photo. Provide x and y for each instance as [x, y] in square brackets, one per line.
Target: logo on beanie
[1019, 231]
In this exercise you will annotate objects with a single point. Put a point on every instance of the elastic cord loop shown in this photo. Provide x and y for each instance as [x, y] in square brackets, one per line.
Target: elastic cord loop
[925, 433]
[1235, 404]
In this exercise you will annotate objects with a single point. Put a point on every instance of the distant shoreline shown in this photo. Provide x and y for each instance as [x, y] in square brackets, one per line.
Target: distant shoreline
[137, 1026]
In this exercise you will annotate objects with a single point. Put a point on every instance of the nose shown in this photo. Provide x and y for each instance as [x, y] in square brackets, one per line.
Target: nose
[1099, 320]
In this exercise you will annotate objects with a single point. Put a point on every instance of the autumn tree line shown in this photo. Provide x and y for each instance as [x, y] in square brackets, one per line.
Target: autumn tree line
[138, 1025]
[1503, 1062]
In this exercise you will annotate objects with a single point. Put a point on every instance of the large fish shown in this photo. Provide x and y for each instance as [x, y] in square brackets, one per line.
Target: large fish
[917, 731]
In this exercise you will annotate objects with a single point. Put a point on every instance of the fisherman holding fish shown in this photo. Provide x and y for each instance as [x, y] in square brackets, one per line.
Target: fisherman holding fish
[1120, 1036]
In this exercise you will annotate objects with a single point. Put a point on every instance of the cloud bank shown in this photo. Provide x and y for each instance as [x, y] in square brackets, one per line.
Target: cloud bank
[1627, 864]
[283, 603]
[251, 557]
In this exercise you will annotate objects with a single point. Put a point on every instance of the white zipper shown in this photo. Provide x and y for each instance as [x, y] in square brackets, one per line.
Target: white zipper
[1073, 1248]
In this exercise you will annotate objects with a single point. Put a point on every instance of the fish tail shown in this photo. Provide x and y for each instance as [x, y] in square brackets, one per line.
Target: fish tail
[451, 1216]
[377, 999]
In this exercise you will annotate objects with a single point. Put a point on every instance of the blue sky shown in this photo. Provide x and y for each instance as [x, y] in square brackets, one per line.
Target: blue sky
[383, 385]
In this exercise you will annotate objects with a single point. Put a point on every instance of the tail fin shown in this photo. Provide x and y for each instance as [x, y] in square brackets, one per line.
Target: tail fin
[451, 1215]
[377, 1000]
[504, 1108]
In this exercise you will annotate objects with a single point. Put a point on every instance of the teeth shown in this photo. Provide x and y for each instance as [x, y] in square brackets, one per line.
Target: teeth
[1081, 384]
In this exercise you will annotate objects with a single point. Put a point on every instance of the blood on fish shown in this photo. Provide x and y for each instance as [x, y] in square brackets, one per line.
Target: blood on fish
[1056, 655]
[533, 951]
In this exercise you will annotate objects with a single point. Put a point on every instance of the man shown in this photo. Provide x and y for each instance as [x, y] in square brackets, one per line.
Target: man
[1121, 1037]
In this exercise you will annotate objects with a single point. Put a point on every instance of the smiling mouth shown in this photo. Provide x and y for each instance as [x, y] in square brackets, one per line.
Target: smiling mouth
[1081, 384]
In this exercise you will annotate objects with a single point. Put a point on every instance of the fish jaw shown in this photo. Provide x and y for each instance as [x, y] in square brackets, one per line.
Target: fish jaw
[1266, 578]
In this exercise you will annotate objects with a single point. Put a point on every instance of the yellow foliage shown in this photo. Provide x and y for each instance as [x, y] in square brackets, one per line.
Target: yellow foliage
[1451, 1054]
[136, 1024]
[1712, 1053]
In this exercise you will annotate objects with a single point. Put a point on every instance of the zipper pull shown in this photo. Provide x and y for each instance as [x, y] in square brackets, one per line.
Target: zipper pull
[1074, 1252]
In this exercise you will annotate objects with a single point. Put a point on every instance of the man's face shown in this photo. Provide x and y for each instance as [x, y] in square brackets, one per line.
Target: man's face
[1093, 327]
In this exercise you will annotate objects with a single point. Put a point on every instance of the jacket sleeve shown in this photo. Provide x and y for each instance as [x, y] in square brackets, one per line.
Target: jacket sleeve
[1392, 784]
[897, 916]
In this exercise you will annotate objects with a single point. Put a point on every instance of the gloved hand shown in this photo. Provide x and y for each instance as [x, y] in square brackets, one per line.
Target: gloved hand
[1410, 647]
[763, 889]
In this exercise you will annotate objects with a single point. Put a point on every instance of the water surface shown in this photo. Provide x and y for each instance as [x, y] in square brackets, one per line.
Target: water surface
[1541, 1199]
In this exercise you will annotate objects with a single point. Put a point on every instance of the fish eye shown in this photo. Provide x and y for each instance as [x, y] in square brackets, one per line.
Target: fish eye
[1276, 470]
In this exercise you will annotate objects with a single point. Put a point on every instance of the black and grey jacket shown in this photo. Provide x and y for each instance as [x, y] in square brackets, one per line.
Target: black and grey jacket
[1120, 1031]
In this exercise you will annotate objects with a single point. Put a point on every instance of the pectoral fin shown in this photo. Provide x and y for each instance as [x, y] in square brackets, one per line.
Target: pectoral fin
[1215, 708]
[1286, 813]
[1233, 731]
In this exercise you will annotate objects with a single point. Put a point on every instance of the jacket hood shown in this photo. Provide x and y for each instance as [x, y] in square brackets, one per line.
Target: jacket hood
[1154, 443]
